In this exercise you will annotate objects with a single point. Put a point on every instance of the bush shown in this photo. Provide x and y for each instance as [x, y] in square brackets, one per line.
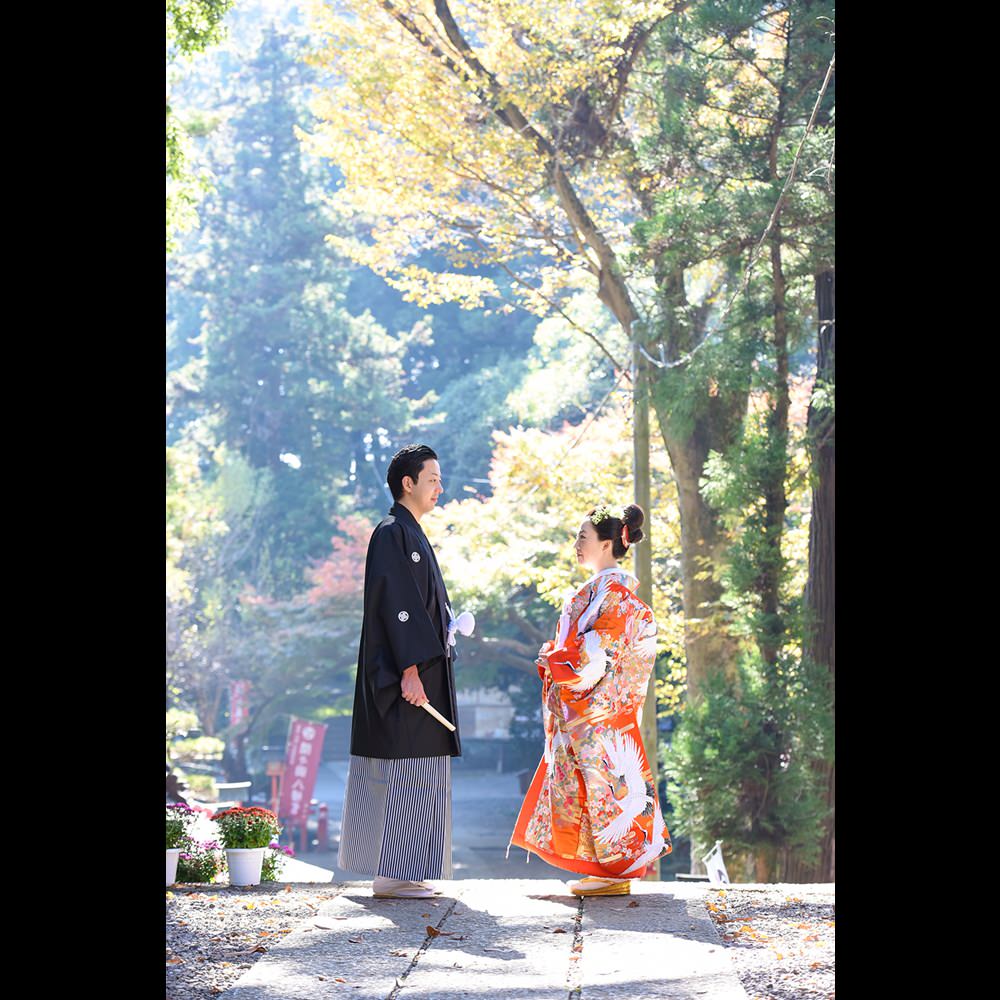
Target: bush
[739, 766]
[179, 817]
[203, 785]
[200, 861]
[274, 859]
[197, 748]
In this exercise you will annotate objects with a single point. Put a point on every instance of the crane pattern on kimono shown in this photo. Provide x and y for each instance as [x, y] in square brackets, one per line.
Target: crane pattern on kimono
[626, 763]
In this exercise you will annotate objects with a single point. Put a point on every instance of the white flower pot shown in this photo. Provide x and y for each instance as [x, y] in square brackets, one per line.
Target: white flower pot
[245, 864]
[173, 853]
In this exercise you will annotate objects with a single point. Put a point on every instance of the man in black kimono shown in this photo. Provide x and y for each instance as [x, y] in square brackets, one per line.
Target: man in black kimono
[397, 808]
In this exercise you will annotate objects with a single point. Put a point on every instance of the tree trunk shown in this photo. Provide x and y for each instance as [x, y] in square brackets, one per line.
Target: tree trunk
[717, 423]
[234, 763]
[772, 635]
[819, 591]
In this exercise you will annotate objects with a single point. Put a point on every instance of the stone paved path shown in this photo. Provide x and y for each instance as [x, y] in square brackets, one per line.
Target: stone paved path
[528, 939]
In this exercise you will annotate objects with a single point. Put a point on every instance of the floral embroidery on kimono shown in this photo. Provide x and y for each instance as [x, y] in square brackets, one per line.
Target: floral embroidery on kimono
[592, 806]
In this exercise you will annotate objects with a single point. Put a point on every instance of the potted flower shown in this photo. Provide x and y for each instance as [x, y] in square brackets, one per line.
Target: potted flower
[274, 861]
[200, 861]
[246, 832]
[179, 817]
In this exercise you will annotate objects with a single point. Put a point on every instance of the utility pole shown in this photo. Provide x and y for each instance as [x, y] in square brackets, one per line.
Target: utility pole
[643, 553]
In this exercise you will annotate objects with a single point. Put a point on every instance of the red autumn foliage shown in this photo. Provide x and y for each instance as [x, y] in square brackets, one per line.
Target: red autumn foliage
[338, 575]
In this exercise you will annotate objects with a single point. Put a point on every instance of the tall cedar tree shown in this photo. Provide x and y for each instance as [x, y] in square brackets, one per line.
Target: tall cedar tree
[295, 381]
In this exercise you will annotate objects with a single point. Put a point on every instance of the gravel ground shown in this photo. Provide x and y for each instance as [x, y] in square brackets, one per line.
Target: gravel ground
[215, 932]
[780, 939]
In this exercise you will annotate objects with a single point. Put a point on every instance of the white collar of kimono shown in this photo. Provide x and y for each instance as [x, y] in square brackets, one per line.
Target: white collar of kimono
[605, 572]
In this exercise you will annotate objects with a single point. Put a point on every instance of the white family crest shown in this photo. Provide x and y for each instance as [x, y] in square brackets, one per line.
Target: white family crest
[415, 556]
[403, 615]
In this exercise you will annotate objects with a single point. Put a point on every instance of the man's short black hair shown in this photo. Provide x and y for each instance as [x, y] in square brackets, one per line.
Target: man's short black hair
[407, 461]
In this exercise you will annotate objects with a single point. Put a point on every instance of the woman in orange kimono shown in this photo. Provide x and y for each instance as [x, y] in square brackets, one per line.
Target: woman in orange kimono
[592, 807]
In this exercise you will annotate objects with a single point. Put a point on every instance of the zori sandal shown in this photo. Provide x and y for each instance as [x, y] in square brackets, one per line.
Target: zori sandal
[396, 888]
[594, 886]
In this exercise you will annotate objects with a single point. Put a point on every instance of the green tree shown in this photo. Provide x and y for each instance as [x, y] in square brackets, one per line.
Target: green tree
[733, 112]
[644, 145]
[210, 527]
[192, 26]
[297, 384]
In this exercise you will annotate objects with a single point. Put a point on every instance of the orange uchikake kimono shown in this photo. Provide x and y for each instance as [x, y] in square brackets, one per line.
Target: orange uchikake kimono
[592, 807]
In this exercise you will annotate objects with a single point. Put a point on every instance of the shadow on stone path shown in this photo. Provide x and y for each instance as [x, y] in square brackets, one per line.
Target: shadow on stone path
[503, 938]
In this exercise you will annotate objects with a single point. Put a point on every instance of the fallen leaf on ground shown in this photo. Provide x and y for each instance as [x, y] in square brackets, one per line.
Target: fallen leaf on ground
[635, 902]
[176, 960]
[433, 931]
[250, 951]
[559, 930]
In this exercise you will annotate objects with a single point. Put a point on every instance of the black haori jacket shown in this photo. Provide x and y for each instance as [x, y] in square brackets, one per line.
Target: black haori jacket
[405, 622]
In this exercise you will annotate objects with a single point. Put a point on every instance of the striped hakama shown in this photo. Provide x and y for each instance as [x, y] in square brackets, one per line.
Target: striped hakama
[397, 818]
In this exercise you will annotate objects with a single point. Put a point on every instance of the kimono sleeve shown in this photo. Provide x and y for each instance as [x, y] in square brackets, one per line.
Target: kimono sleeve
[582, 661]
[396, 603]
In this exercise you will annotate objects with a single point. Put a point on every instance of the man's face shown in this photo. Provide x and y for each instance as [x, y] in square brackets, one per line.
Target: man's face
[428, 487]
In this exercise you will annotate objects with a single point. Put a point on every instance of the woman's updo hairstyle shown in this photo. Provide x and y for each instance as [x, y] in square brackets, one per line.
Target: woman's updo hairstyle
[622, 527]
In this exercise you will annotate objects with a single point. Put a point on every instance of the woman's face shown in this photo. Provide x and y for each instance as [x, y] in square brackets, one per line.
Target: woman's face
[590, 550]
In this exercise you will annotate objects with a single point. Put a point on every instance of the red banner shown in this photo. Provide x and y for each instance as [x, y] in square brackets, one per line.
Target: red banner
[239, 703]
[302, 756]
